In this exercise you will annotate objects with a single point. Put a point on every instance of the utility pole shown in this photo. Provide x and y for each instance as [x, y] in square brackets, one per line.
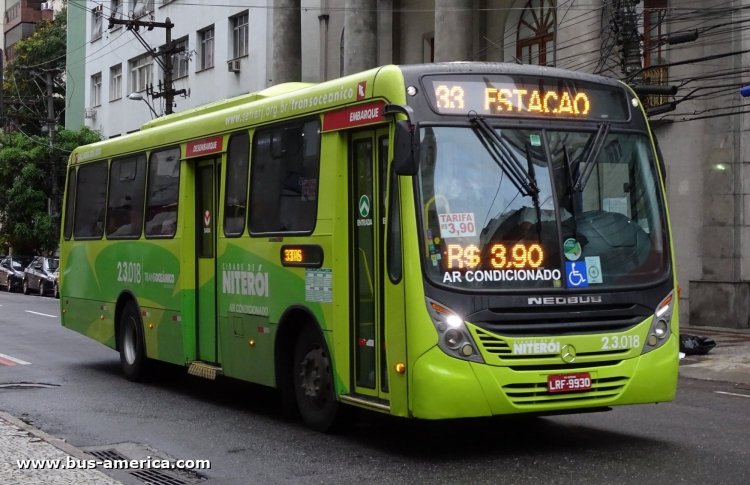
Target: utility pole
[51, 123]
[166, 90]
[629, 40]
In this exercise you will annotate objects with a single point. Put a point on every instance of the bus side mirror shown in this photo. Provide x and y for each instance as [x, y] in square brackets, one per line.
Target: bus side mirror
[405, 149]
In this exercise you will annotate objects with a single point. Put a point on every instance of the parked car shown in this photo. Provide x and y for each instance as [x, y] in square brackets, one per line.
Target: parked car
[41, 276]
[11, 271]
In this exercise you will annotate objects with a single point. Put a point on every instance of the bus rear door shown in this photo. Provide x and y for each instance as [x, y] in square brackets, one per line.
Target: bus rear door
[206, 190]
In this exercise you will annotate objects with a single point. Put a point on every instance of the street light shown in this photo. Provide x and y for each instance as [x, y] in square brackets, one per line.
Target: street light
[139, 97]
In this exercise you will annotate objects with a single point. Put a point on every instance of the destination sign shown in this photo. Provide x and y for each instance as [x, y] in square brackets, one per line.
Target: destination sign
[525, 96]
[302, 255]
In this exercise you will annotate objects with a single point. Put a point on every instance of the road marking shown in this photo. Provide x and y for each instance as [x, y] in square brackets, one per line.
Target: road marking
[42, 314]
[732, 394]
[11, 361]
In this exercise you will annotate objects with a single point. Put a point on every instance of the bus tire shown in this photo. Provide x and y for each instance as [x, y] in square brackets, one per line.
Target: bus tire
[313, 381]
[132, 347]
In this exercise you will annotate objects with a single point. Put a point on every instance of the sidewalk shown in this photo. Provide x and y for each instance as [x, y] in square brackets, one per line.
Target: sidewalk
[729, 361]
[19, 441]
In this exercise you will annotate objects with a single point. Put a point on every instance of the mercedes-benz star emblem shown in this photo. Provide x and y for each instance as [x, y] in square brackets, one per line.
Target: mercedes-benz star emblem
[568, 354]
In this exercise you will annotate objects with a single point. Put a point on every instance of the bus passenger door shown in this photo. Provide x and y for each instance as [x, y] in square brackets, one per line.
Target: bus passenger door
[368, 153]
[206, 191]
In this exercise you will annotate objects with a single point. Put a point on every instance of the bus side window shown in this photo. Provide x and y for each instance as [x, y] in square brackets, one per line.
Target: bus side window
[163, 189]
[127, 180]
[284, 178]
[91, 193]
[236, 192]
[70, 197]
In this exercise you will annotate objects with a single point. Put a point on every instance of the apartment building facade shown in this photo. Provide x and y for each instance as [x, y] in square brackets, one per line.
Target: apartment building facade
[231, 48]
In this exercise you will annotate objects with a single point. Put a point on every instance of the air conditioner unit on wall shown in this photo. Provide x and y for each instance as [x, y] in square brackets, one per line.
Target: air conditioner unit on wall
[233, 65]
[46, 6]
[89, 113]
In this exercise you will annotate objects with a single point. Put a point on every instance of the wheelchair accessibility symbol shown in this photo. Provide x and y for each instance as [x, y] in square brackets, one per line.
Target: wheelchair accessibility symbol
[575, 272]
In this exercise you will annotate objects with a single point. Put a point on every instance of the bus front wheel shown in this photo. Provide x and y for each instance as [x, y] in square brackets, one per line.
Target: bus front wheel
[313, 381]
[132, 347]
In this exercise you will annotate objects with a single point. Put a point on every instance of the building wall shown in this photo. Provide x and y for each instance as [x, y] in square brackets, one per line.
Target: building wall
[120, 46]
[75, 90]
[707, 160]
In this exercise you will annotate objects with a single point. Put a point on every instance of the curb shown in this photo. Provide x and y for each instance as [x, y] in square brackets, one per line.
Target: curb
[36, 451]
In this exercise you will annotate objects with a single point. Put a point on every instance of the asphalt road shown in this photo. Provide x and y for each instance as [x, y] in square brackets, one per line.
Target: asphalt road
[72, 388]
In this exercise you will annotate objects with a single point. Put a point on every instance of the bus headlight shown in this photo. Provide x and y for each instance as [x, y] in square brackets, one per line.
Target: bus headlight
[661, 327]
[453, 336]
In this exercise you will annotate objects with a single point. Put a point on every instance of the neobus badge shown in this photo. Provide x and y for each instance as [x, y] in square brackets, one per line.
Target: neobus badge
[204, 146]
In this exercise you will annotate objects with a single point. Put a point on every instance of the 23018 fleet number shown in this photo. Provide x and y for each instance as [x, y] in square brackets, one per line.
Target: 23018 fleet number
[620, 342]
[128, 272]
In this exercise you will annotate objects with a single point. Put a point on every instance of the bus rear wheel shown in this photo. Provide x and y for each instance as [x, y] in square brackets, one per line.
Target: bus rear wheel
[313, 381]
[132, 348]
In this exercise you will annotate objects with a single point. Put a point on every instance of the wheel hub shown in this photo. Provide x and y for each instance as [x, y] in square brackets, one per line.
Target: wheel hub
[311, 373]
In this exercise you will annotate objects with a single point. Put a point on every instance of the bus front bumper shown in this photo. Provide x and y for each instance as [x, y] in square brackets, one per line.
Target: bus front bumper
[442, 387]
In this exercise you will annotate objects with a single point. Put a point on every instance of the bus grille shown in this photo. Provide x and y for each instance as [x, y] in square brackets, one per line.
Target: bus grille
[536, 393]
[560, 320]
[496, 345]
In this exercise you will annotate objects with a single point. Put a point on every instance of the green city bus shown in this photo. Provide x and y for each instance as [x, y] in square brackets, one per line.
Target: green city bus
[431, 241]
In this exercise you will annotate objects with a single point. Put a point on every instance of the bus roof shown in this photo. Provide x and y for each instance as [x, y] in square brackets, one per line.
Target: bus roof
[298, 99]
[269, 92]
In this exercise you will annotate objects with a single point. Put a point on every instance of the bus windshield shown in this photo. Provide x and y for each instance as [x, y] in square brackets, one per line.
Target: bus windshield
[533, 208]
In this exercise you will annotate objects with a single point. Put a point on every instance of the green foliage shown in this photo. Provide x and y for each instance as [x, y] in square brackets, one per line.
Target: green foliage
[36, 59]
[26, 163]
[32, 173]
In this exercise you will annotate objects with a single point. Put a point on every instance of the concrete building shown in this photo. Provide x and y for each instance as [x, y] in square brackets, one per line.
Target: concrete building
[222, 53]
[231, 49]
[21, 17]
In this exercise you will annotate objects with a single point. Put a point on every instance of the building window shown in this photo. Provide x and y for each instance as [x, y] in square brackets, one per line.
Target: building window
[180, 59]
[536, 33]
[141, 73]
[115, 82]
[97, 20]
[96, 89]
[141, 8]
[239, 34]
[115, 11]
[206, 43]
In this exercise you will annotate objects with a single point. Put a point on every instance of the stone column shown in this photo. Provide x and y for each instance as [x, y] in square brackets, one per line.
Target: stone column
[360, 35]
[286, 51]
[453, 30]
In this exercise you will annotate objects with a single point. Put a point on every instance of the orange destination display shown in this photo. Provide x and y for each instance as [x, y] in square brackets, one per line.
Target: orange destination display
[527, 97]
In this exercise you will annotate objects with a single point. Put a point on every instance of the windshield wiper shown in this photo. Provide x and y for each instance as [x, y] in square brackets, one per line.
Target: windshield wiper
[592, 154]
[498, 148]
[569, 178]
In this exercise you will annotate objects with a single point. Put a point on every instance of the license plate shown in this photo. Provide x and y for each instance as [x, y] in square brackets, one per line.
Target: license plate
[580, 381]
